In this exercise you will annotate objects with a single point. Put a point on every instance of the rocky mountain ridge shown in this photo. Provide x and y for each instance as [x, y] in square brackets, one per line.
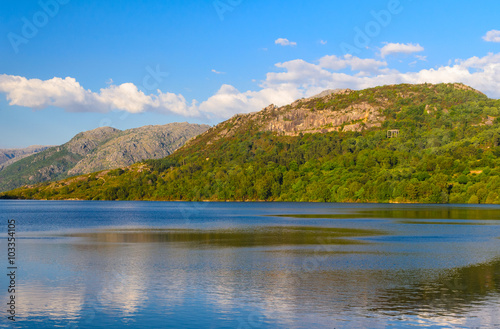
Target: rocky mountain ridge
[9, 156]
[99, 149]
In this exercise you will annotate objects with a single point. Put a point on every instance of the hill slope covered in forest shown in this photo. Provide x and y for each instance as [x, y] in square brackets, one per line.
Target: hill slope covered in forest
[333, 147]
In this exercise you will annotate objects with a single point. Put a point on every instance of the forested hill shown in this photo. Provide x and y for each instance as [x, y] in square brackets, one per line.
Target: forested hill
[333, 147]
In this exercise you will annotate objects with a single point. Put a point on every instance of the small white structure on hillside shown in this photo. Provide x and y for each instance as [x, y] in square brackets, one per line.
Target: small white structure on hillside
[392, 133]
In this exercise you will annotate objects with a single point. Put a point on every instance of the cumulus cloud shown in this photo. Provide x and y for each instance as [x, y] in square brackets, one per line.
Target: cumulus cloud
[421, 58]
[299, 78]
[285, 42]
[289, 81]
[38, 94]
[355, 63]
[68, 94]
[482, 73]
[492, 36]
[229, 101]
[398, 48]
[298, 72]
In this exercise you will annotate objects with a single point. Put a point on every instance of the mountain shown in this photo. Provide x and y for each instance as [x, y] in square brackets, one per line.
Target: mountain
[134, 145]
[400, 143]
[98, 149]
[9, 156]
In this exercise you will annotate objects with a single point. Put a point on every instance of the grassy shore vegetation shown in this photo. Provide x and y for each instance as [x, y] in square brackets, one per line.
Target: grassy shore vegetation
[447, 151]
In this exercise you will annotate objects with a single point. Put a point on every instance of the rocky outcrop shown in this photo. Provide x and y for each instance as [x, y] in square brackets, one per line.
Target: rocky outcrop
[302, 116]
[303, 120]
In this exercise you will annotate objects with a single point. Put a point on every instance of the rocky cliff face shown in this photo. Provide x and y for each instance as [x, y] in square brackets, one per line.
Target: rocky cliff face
[98, 149]
[322, 113]
[301, 120]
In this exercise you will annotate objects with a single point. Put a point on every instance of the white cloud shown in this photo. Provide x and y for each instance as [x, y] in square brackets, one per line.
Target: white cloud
[125, 96]
[480, 73]
[70, 95]
[355, 63]
[300, 78]
[228, 101]
[398, 48]
[421, 58]
[298, 72]
[323, 42]
[217, 72]
[66, 93]
[492, 36]
[290, 81]
[285, 42]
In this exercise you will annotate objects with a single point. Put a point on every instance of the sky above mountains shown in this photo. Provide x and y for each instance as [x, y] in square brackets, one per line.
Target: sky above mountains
[69, 66]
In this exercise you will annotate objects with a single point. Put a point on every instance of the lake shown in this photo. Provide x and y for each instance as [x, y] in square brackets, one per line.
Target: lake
[96, 264]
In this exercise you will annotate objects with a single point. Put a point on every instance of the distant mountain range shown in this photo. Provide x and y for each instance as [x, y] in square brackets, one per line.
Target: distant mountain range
[9, 156]
[98, 149]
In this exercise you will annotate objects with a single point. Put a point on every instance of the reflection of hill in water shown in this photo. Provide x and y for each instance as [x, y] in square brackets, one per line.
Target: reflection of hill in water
[453, 293]
[260, 237]
[122, 273]
[429, 212]
[293, 272]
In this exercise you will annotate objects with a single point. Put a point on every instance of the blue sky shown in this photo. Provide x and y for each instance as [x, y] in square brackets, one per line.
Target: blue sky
[67, 66]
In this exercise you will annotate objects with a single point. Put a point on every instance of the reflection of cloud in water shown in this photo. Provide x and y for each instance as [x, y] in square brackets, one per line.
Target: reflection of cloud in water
[488, 314]
[122, 292]
[130, 279]
[223, 292]
[224, 297]
[164, 270]
[464, 297]
[55, 302]
[480, 315]
[123, 287]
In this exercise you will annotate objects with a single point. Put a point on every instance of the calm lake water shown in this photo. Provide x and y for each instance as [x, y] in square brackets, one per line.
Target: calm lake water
[252, 265]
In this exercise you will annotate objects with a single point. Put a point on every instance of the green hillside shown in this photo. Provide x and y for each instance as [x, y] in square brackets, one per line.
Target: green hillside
[332, 148]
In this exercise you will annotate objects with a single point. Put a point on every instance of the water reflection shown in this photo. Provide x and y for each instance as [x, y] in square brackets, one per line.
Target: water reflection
[236, 237]
[431, 212]
[454, 292]
[60, 303]
[262, 272]
[162, 274]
